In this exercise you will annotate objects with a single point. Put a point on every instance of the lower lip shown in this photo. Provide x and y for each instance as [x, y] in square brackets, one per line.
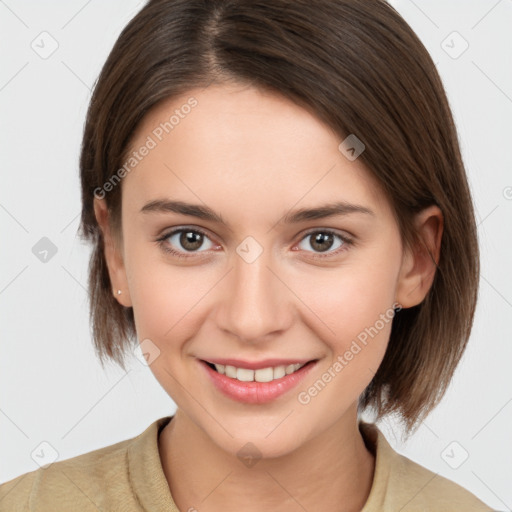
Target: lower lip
[256, 392]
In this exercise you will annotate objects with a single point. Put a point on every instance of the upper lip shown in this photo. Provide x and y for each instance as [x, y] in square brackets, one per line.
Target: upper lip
[256, 365]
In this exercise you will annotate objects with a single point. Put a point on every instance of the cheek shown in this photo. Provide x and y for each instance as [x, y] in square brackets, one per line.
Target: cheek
[163, 295]
[357, 305]
[355, 301]
[352, 297]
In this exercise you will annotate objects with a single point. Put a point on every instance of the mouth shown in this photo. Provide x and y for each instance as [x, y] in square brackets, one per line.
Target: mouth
[266, 374]
[256, 385]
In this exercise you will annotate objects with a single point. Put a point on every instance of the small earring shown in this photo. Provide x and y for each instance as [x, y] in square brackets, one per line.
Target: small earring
[118, 292]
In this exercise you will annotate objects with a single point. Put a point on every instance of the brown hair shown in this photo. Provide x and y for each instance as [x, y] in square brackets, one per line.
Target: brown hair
[360, 68]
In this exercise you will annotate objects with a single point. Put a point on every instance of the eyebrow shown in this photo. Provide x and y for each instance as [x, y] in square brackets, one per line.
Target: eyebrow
[293, 217]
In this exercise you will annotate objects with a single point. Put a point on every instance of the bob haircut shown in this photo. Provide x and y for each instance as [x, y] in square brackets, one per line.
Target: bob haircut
[357, 66]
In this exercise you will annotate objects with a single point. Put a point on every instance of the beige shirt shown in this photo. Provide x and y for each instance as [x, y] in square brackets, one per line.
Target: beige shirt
[128, 476]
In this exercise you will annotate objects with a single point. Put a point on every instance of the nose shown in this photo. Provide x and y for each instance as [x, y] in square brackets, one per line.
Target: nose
[256, 304]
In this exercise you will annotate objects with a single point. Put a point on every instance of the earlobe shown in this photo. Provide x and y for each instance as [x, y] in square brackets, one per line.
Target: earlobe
[420, 262]
[112, 254]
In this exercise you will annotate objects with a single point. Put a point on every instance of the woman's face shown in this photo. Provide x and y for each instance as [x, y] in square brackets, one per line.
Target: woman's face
[257, 283]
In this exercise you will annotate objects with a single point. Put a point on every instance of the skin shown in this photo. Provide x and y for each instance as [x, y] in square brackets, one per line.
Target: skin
[252, 157]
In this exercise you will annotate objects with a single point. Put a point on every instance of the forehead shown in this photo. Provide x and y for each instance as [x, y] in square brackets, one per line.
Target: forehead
[248, 147]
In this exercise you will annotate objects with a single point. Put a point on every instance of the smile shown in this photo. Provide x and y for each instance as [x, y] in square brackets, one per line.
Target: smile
[261, 375]
[256, 385]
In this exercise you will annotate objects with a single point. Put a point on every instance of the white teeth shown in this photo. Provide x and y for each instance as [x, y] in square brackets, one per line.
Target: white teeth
[220, 368]
[244, 375]
[279, 371]
[292, 368]
[230, 371]
[262, 375]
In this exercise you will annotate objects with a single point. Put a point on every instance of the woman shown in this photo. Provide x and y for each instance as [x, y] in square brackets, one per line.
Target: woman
[281, 219]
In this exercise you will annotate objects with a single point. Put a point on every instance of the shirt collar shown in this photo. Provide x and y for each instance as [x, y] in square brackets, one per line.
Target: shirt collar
[150, 486]
[146, 475]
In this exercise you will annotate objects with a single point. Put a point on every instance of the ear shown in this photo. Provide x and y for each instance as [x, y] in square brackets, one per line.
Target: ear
[113, 254]
[419, 263]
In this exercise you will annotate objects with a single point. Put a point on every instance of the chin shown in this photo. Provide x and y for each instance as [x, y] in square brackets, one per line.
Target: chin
[262, 440]
[255, 448]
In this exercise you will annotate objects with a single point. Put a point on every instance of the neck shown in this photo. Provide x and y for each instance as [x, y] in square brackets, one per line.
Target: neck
[331, 472]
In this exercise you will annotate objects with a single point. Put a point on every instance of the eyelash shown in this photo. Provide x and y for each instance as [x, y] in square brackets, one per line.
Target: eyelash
[347, 242]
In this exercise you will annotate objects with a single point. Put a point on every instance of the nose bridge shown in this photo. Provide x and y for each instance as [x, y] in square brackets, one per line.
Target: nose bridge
[255, 303]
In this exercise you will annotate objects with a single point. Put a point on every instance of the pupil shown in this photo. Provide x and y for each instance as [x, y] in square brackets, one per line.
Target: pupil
[320, 240]
[190, 240]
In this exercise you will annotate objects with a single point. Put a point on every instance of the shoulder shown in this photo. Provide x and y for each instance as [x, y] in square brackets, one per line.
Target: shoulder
[421, 487]
[402, 484]
[68, 482]
[87, 482]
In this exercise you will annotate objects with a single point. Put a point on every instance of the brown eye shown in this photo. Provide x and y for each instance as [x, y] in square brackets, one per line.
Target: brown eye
[191, 240]
[185, 240]
[323, 241]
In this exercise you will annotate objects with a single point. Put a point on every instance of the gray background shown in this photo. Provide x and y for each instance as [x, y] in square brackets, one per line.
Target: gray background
[53, 389]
